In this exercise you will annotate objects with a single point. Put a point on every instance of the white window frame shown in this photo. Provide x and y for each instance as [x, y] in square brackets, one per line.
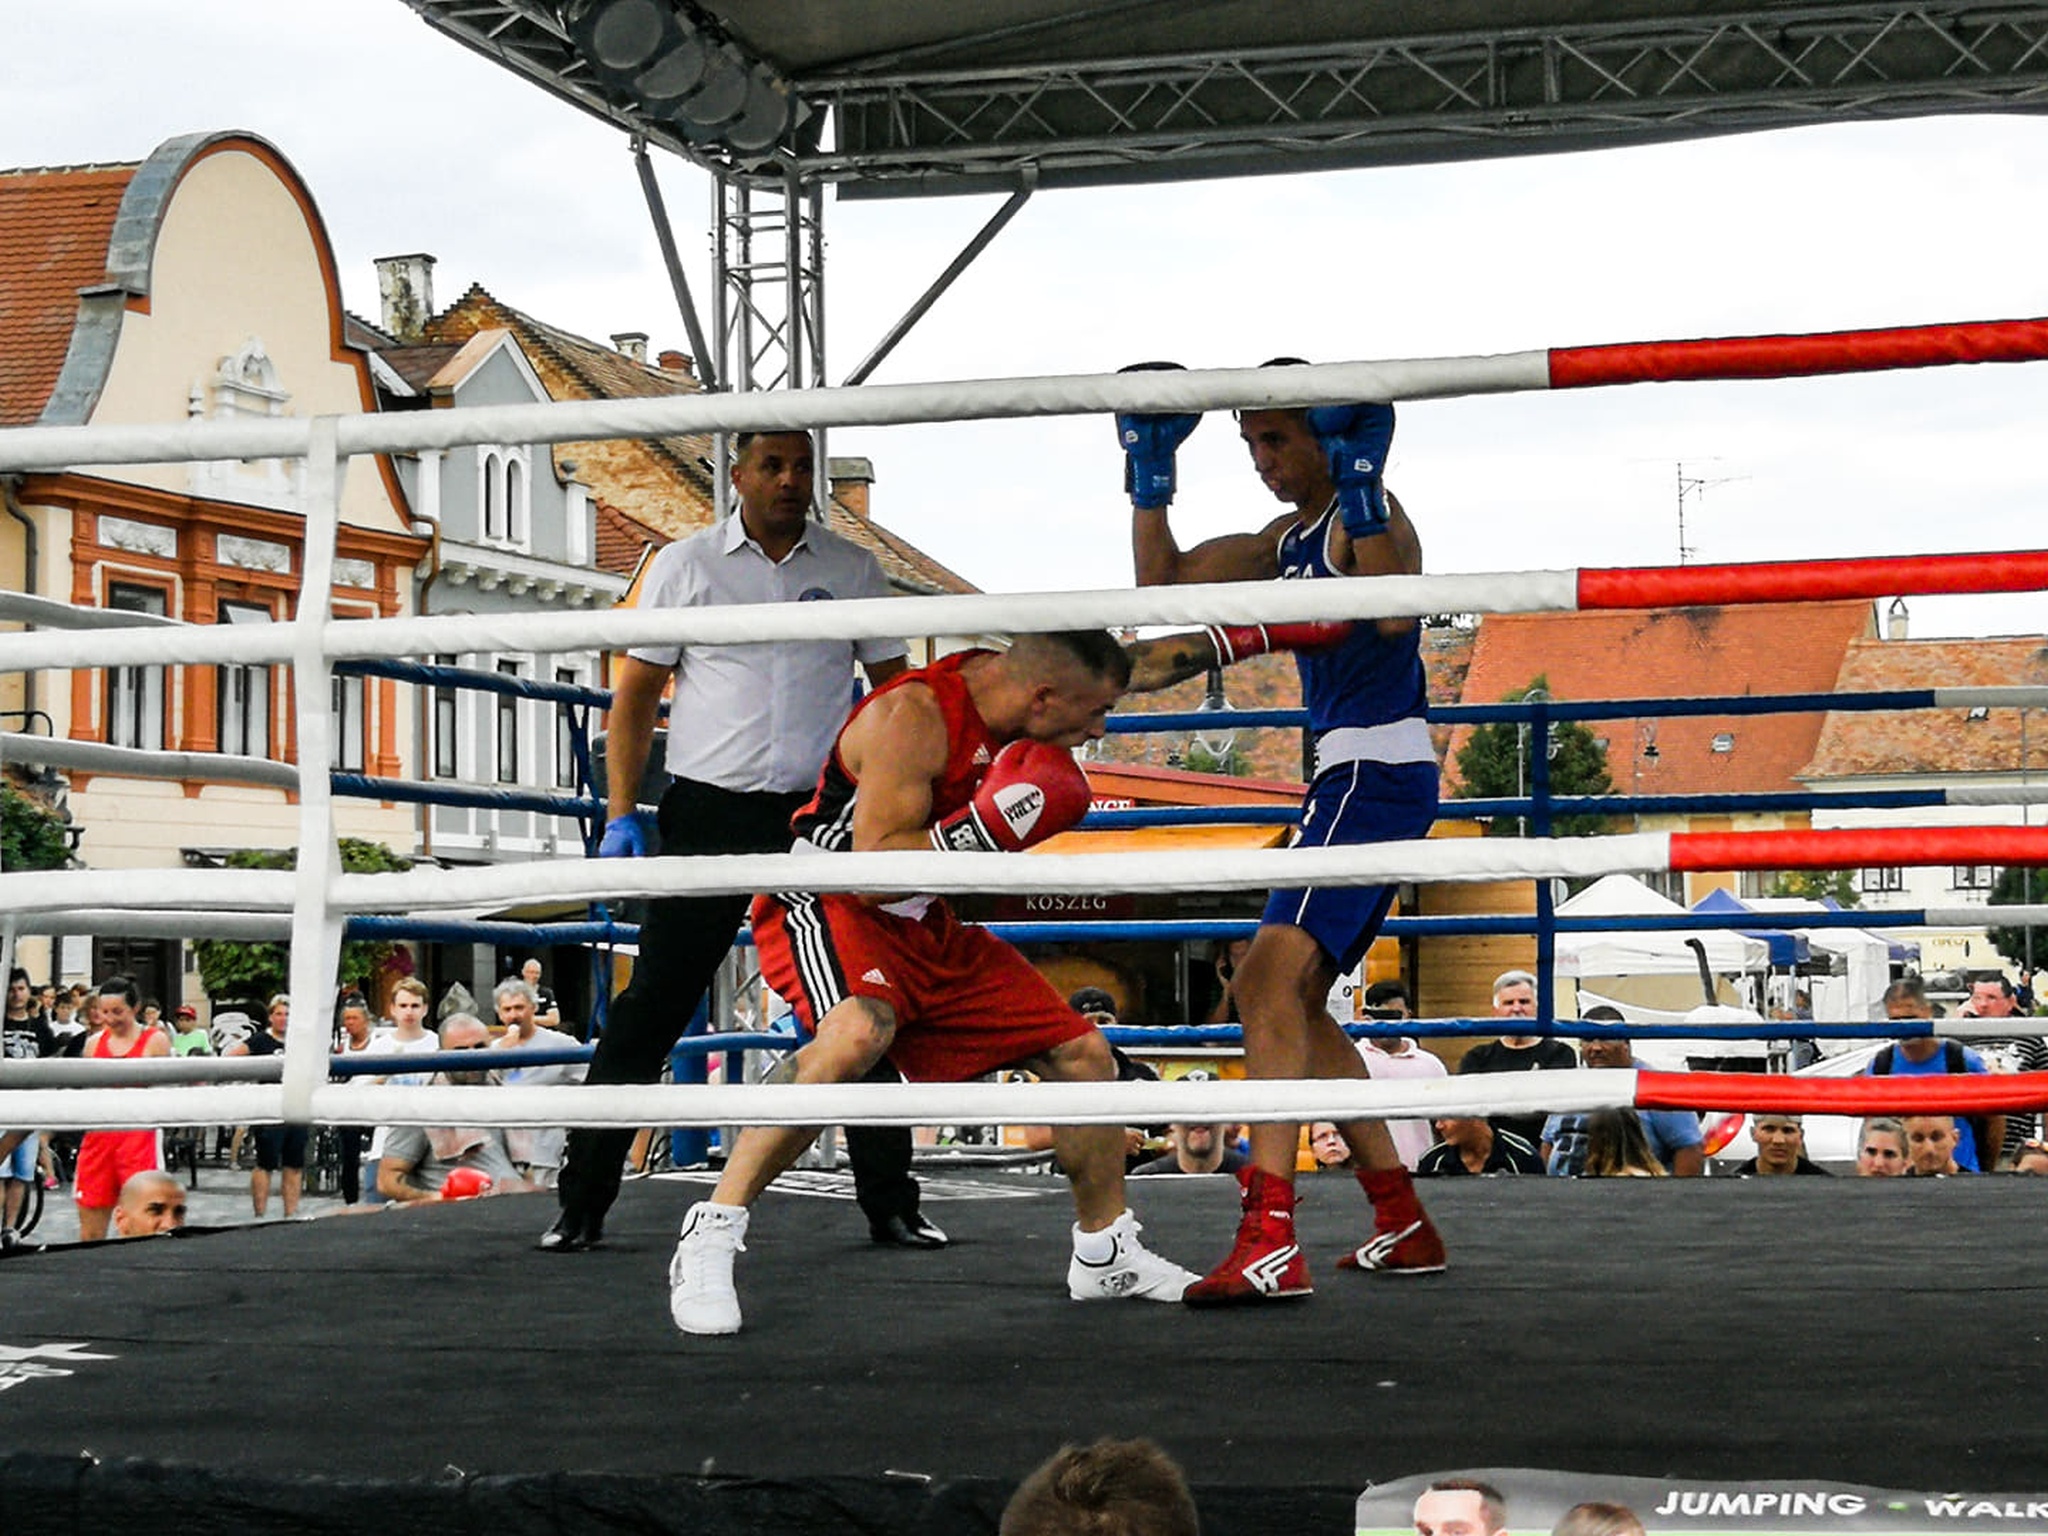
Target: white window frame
[135, 695]
[507, 725]
[347, 711]
[447, 725]
[504, 497]
[244, 700]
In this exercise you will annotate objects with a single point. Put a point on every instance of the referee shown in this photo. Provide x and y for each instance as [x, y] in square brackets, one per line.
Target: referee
[749, 729]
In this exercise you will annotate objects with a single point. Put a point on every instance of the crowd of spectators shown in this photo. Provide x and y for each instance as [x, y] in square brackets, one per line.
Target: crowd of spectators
[120, 1179]
[377, 1164]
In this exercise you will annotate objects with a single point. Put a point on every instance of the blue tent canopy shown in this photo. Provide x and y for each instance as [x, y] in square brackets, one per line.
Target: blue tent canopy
[1786, 949]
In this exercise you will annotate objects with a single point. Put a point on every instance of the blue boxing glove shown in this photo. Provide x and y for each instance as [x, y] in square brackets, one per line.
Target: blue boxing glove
[626, 837]
[1355, 438]
[1149, 442]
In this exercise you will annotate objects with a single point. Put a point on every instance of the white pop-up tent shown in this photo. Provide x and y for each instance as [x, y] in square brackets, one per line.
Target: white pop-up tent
[1646, 952]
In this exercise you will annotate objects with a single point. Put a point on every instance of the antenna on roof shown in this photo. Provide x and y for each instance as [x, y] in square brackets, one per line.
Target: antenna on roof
[1693, 485]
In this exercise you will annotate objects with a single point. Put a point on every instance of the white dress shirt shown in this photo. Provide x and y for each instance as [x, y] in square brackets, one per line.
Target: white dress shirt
[760, 717]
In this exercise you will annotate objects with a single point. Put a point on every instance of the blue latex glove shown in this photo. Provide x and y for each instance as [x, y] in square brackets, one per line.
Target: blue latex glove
[1355, 438]
[626, 837]
[1149, 442]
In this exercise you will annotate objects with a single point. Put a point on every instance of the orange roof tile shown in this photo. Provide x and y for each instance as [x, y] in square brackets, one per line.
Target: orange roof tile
[1676, 653]
[1272, 682]
[1916, 741]
[54, 227]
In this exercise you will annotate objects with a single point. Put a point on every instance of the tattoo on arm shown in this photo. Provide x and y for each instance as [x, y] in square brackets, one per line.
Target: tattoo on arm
[1170, 659]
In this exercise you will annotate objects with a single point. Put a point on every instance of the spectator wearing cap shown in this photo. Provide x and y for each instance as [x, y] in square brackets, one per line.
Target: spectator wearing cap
[188, 1037]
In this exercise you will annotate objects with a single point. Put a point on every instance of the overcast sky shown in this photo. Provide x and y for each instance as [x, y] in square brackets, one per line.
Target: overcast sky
[410, 143]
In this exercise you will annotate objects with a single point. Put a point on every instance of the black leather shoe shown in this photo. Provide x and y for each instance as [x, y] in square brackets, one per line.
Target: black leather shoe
[572, 1232]
[911, 1231]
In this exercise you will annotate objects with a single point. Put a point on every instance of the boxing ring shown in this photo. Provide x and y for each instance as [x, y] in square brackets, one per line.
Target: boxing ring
[547, 1394]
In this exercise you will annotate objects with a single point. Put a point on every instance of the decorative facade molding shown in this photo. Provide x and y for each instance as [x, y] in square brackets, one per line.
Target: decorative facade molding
[256, 554]
[138, 538]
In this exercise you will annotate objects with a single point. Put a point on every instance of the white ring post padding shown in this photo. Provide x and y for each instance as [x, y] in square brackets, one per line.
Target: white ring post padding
[620, 1104]
[316, 930]
[141, 763]
[1263, 602]
[1193, 389]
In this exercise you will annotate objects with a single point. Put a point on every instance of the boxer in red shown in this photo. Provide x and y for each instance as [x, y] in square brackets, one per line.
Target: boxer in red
[969, 754]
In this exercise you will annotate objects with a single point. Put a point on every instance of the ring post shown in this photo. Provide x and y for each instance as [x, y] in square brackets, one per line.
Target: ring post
[316, 929]
[1546, 906]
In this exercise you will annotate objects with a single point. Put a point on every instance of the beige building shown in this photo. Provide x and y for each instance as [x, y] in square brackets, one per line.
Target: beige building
[198, 284]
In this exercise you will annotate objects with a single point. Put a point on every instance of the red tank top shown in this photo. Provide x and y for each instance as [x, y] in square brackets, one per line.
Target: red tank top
[99, 1051]
[827, 821]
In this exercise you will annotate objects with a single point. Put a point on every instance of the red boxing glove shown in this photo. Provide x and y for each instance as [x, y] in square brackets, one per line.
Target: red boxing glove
[465, 1184]
[1238, 642]
[1032, 790]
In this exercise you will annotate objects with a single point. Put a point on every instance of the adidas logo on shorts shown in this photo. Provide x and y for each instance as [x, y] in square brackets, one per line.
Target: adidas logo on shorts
[874, 974]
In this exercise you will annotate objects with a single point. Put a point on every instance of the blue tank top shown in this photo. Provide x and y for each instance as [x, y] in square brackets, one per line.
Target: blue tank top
[1371, 678]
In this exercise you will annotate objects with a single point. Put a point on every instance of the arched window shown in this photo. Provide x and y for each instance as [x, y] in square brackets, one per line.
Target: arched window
[496, 525]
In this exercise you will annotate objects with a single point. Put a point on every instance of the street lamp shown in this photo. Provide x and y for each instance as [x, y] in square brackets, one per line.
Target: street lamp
[1550, 746]
[1217, 740]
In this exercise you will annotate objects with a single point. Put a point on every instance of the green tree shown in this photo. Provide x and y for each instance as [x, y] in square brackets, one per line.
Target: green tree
[2016, 886]
[1498, 760]
[31, 835]
[1837, 885]
[1233, 763]
[241, 969]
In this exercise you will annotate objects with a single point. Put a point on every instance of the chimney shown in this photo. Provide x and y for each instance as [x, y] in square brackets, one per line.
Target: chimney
[405, 293]
[632, 343]
[850, 481]
[1895, 620]
[678, 362]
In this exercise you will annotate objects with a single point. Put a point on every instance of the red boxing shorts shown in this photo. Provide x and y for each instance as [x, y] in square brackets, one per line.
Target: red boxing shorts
[109, 1159]
[965, 1002]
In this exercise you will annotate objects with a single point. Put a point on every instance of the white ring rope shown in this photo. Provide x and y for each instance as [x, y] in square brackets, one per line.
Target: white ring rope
[1194, 389]
[1460, 859]
[853, 619]
[142, 763]
[624, 1104]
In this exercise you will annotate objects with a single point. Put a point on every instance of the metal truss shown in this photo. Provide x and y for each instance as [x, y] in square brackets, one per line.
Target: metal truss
[768, 292]
[1427, 97]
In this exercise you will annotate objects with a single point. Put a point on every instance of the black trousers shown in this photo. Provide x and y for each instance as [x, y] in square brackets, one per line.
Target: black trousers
[682, 943]
[351, 1139]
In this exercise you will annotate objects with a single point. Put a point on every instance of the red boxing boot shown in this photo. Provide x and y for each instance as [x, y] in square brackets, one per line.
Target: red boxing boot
[1267, 1263]
[1404, 1240]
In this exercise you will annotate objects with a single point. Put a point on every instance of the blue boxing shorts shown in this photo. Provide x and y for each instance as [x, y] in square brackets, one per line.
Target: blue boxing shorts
[1350, 804]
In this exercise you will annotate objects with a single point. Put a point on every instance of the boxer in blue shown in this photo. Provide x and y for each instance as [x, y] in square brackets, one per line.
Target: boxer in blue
[1375, 781]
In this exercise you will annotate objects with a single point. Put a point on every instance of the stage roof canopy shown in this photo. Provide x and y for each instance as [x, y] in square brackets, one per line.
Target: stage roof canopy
[916, 97]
